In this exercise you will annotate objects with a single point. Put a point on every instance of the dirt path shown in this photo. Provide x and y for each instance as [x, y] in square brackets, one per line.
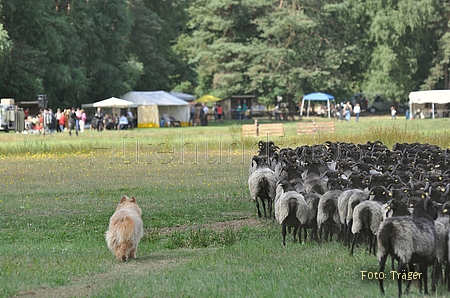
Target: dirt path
[135, 269]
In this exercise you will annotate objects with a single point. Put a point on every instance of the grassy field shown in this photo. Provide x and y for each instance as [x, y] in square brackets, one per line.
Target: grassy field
[202, 235]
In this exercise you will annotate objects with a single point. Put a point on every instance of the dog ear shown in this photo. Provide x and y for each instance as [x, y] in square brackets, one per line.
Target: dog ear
[133, 199]
[124, 198]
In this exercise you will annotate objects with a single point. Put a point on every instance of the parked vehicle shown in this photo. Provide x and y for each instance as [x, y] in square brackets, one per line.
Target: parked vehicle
[381, 105]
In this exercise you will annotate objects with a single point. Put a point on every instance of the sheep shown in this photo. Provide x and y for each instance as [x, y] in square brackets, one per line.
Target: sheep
[267, 150]
[312, 200]
[291, 210]
[442, 224]
[408, 240]
[327, 210]
[343, 209]
[366, 220]
[262, 183]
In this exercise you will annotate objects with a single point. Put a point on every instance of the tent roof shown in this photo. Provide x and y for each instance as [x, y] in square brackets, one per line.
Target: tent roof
[318, 96]
[160, 98]
[112, 102]
[207, 98]
[430, 96]
[183, 96]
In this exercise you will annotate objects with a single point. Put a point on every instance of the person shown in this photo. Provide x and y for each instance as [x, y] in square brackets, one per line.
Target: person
[348, 111]
[78, 118]
[247, 114]
[244, 109]
[220, 113]
[202, 116]
[205, 114]
[162, 122]
[339, 111]
[239, 110]
[130, 119]
[192, 116]
[26, 113]
[393, 113]
[99, 116]
[58, 117]
[357, 111]
[73, 122]
[61, 122]
[47, 121]
[123, 122]
[277, 112]
[116, 121]
[216, 115]
[82, 120]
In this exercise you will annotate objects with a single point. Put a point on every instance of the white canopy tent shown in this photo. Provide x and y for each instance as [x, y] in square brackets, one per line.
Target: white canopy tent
[441, 97]
[112, 102]
[152, 105]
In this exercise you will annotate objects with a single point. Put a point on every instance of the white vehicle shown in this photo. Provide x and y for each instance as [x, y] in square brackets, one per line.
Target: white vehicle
[7, 116]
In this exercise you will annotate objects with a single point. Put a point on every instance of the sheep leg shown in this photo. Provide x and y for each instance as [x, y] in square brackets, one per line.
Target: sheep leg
[401, 268]
[425, 277]
[269, 202]
[294, 234]
[314, 233]
[264, 207]
[348, 232]
[436, 274]
[299, 228]
[447, 277]
[382, 264]
[320, 237]
[283, 231]
[257, 206]
[408, 284]
[355, 238]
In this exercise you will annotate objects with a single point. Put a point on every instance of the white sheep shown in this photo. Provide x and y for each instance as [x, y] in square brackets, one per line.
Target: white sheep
[366, 220]
[291, 211]
[262, 183]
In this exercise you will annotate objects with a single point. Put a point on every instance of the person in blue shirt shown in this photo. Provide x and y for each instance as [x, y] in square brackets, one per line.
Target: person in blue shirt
[123, 122]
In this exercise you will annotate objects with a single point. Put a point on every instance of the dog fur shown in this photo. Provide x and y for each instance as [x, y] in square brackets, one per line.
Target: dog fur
[125, 229]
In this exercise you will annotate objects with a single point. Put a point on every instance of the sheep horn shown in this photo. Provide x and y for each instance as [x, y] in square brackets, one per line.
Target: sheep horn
[426, 202]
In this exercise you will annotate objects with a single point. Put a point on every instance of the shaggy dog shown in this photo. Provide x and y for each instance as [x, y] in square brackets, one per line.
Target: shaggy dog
[125, 229]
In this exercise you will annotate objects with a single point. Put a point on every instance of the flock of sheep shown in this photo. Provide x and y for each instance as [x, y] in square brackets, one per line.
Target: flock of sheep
[397, 199]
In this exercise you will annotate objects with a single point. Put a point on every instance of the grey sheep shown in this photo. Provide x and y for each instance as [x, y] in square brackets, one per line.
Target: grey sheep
[367, 218]
[327, 211]
[291, 211]
[262, 183]
[408, 240]
[343, 210]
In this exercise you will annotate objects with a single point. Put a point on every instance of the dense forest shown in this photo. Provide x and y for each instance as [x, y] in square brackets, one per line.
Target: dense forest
[80, 51]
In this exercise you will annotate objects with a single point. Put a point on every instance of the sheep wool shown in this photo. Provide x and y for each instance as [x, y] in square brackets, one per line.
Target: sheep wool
[262, 184]
[367, 214]
[282, 207]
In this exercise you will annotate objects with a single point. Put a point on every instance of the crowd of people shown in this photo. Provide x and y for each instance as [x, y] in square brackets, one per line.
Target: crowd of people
[199, 114]
[69, 120]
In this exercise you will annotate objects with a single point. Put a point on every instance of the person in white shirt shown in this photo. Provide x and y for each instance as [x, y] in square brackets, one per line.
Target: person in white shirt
[123, 122]
[357, 111]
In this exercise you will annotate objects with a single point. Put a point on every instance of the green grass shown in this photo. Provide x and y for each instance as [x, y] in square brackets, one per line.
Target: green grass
[191, 183]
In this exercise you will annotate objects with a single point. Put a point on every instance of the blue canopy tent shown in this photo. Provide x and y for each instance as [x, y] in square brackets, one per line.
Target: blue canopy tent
[317, 96]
